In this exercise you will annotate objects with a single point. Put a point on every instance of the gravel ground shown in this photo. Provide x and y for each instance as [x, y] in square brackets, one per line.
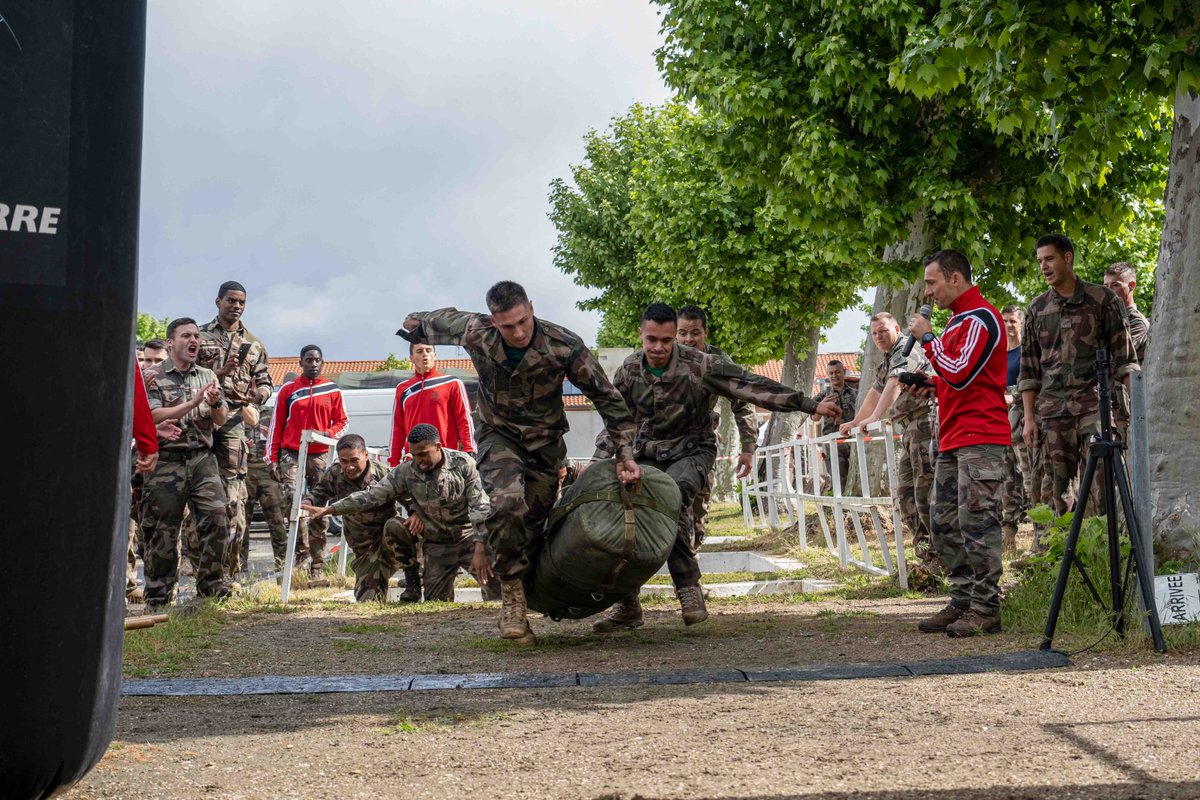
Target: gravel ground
[1110, 726]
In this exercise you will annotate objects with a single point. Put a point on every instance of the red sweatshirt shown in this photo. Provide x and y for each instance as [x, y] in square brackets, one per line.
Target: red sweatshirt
[144, 433]
[435, 399]
[305, 405]
[971, 361]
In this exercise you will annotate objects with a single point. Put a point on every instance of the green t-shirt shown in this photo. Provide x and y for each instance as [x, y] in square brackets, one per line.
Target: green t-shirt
[655, 371]
[514, 354]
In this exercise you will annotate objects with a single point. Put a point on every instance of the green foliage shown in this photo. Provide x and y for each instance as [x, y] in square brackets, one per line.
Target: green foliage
[651, 217]
[827, 108]
[391, 363]
[151, 327]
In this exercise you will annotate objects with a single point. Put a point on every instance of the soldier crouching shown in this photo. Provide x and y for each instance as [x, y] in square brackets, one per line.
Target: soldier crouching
[442, 489]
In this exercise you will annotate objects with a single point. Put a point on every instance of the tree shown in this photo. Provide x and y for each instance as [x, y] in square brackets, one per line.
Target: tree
[1087, 81]
[391, 363]
[151, 327]
[879, 173]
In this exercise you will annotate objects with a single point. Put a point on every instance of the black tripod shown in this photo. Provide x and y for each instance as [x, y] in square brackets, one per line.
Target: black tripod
[1106, 453]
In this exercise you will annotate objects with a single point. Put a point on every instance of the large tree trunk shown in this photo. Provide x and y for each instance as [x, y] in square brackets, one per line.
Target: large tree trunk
[901, 302]
[728, 446]
[782, 427]
[1172, 364]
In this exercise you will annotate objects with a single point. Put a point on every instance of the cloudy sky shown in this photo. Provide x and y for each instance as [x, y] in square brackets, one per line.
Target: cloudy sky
[349, 162]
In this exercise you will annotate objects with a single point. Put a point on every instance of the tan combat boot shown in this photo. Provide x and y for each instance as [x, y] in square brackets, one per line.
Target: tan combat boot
[1008, 538]
[691, 602]
[624, 616]
[973, 623]
[941, 620]
[513, 624]
[412, 585]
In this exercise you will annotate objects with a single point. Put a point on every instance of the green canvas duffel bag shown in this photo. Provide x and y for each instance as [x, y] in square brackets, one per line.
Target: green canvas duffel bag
[604, 540]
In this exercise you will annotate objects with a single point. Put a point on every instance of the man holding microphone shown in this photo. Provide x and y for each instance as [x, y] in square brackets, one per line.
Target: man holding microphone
[970, 363]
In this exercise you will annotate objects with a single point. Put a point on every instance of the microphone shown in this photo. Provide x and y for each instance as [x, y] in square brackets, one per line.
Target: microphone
[924, 311]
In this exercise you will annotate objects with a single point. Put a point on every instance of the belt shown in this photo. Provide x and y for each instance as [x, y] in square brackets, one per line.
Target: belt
[181, 455]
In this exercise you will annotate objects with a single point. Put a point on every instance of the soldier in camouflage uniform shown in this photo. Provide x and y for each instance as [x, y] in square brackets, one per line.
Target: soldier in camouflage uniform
[522, 361]
[449, 510]
[380, 541]
[149, 356]
[262, 488]
[1121, 279]
[187, 473]
[914, 474]
[693, 332]
[1064, 327]
[240, 362]
[846, 396]
[670, 389]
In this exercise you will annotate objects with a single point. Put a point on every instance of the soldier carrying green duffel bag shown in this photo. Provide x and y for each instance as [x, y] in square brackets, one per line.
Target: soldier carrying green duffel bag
[604, 540]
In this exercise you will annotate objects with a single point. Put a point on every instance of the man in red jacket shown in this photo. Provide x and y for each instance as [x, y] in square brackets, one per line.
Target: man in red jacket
[307, 403]
[971, 363]
[431, 398]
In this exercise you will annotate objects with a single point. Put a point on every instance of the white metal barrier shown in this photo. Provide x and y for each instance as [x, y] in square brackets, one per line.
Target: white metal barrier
[289, 560]
[792, 480]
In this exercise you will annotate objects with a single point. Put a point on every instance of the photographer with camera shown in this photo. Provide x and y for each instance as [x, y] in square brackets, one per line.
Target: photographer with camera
[970, 363]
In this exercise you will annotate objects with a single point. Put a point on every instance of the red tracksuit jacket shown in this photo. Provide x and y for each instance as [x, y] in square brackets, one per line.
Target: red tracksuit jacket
[304, 405]
[438, 400]
[971, 361]
[144, 433]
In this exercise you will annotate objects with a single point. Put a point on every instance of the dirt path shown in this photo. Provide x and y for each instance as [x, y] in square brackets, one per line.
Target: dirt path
[1107, 727]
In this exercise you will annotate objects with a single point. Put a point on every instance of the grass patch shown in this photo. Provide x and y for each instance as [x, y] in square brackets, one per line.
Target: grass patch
[168, 648]
[406, 723]
[362, 628]
[352, 645]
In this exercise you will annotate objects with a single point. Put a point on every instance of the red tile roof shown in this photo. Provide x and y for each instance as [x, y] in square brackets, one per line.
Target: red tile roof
[774, 369]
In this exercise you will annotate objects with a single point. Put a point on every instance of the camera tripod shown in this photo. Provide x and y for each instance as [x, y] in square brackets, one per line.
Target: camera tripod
[1105, 454]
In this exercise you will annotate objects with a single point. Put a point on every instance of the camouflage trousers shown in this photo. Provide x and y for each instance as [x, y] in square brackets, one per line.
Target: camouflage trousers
[134, 539]
[690, 474]
[239, 531]
[310, 534]
[1064, 449]
[184, 480]
[379, 551]
[261, 488]
[914, 482]
[700, 510]
[843, 454]
[967, 488]
[522, 485]
[444, 557]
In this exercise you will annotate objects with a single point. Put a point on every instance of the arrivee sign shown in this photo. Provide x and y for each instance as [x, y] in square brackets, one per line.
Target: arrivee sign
[1177, 598]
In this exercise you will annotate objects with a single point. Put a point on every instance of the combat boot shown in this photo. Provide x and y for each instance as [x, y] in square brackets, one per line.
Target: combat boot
[412, 585]
[624, 616]
[691, 602]
[316, 576]
[513, 624]
[941, 620]
[972, 623]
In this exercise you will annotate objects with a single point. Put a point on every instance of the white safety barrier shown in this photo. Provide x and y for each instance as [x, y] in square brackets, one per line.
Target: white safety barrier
[289, 560]
[792, 481]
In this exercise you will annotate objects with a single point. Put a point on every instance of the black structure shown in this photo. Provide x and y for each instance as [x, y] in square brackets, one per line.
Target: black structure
[70, 160]
[1106, 454]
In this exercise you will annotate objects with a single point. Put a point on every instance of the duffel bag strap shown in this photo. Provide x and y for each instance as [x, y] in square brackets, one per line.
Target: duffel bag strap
[630, 535]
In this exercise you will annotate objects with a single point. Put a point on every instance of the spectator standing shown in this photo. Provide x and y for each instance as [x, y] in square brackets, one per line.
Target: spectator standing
[1064, 327]
[970, 363]
[430, 397]
[846, 396]
[1121, 279]
[262, 488]
[186, 473]
[307, 403]
[1019, 496]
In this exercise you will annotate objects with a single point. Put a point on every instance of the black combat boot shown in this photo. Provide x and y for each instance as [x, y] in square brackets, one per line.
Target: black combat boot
[412, 585]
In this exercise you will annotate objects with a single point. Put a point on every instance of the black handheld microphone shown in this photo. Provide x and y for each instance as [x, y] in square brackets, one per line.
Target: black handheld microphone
[924, 311]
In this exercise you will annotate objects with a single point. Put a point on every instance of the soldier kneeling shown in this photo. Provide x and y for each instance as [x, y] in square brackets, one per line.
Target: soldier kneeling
[448, 505]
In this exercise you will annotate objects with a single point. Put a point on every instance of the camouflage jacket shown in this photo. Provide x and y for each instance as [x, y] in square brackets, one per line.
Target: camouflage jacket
[743, 412]
[524, 404]
[256, 448]
[906, 408]
[847, 400]
[335, 485]
[1139, 331]
[673, 413]
[447, 499]
[1058, 355]
[251, 379]
[169, 387]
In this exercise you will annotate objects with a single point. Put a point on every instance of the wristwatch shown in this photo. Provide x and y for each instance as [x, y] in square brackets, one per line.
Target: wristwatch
[927, 337]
